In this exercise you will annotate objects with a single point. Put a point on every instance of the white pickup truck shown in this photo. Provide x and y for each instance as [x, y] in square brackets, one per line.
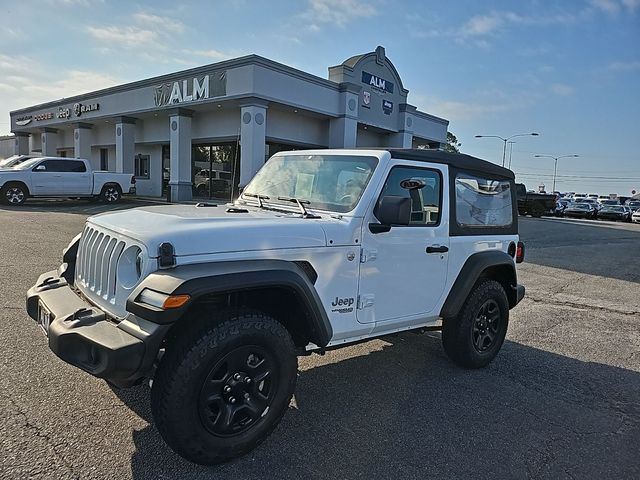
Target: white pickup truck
[62, 177]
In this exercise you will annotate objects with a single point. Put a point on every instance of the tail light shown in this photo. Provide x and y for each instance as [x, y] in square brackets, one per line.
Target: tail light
[520, 252]
[133, 179]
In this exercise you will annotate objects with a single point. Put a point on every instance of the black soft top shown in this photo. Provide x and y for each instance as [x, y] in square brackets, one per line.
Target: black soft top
[456, 160]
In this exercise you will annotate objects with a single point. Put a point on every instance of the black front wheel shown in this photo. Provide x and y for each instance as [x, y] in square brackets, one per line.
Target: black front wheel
[475, 336]
[224, 385]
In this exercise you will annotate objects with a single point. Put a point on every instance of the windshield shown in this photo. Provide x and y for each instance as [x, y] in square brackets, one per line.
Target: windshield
[610, 208]
[28, 164]
[581, 206]
[326, 182]
[9, 160]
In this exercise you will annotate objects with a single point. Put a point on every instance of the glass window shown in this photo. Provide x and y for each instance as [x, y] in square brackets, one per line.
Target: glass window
[483, 202]
[65, 166]
[327, 182]
[74, 166]
[141, 166]
[104, 159]
[425, 201]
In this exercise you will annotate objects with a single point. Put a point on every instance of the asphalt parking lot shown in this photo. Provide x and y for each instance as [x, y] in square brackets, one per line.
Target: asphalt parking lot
[562, 399]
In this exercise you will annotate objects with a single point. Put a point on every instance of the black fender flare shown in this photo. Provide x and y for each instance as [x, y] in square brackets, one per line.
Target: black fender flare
[476, 266]
[232, 276]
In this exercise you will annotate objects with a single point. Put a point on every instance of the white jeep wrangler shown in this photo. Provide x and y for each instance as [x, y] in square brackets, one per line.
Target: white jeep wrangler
[322, 249]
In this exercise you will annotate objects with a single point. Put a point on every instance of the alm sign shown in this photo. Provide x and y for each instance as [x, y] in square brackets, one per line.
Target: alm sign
[182, 91]
[377, 82]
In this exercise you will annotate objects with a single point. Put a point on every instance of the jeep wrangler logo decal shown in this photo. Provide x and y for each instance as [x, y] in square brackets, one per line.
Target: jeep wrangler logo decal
[344, 305]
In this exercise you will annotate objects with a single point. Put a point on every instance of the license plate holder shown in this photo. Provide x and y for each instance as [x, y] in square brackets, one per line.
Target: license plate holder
[44, 317]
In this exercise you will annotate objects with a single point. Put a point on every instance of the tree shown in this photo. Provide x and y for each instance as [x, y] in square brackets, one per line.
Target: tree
[452, 145]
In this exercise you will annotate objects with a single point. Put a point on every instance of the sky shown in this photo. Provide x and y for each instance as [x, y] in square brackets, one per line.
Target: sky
[568, 70]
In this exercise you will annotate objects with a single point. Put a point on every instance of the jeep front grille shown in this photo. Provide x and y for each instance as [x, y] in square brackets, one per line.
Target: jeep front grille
[97, 263]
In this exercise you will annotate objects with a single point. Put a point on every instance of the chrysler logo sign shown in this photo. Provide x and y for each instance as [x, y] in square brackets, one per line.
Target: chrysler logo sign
[24, 120]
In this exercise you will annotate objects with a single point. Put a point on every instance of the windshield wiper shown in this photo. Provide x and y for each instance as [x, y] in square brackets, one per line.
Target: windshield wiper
[258, 196]
[301, 204]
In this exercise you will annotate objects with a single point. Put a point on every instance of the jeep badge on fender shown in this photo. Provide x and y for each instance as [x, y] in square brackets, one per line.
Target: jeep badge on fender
[214, 305]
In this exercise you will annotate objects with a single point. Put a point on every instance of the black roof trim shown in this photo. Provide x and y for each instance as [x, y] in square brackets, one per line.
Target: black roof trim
[457, 160]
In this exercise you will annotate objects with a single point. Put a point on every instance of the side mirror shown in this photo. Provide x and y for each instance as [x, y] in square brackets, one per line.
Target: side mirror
[40, 168]
[392, 210]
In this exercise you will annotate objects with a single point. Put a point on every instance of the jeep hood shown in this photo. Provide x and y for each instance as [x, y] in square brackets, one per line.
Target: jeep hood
[203, 230]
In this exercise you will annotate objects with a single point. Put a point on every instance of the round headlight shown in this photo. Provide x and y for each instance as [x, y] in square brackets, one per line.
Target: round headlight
[130, 267]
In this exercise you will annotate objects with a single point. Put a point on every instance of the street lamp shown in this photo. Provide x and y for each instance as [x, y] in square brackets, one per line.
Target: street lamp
[505, 140]
[555, 166]
[510, 152]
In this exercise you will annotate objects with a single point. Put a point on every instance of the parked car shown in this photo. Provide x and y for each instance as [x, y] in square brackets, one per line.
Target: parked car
[581, 210]
[61, 177]
[219, 182]
[593, 202]
[633, 204]
[561, 206]
[324, 248]
[534, 204]
[608, 201]
[635, 216]
[615, 213]
[15, 160]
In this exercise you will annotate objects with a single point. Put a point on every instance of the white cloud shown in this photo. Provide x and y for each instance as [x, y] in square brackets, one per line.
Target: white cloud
[210, 53]
[337, 12]
[27, 82]
[482, 24]
[608, 6]
[620, 66]
[561, 89]
[126, 36]
[156, 21]
[614, 7]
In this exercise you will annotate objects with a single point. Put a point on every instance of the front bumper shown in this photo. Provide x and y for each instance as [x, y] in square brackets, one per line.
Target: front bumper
[85, 336]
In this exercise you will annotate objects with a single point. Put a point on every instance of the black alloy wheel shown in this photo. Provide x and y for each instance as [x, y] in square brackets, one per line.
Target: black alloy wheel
[223, 385]
[486, 326]
[238, 391]
[474, 337]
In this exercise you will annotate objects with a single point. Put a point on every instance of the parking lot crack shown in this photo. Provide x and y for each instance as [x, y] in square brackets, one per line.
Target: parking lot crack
[584, 304]
[40, 433]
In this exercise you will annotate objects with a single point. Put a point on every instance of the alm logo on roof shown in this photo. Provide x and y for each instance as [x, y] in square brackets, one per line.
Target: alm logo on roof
[22, 121]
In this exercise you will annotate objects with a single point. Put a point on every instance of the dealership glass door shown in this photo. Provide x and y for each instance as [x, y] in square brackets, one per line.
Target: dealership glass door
[214, 171]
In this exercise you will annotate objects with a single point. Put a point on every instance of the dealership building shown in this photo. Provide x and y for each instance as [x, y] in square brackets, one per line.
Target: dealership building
[207, 130]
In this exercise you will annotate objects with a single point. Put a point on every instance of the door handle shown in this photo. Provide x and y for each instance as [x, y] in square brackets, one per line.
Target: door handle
[437, 249]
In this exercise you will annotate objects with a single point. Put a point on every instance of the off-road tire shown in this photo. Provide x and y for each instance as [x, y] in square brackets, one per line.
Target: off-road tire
[13, 194]
[186, 369]
[458, 336]
[111, 194]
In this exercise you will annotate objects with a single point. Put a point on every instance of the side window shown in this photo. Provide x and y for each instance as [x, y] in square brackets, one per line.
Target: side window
[425, 201]
[75, 166]
[53, 165]
[482, 202]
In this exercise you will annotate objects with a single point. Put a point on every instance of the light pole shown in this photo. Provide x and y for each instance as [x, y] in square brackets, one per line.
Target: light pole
[505, 140]
[510, 152]
[555, 166]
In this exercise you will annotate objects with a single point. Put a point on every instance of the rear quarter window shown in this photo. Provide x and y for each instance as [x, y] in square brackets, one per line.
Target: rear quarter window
[482, 202]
